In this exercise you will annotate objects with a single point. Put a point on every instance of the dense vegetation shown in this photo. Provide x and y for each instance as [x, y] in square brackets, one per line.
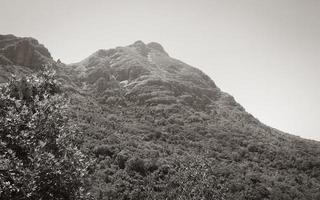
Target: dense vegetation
[167, 152]
[38, 155]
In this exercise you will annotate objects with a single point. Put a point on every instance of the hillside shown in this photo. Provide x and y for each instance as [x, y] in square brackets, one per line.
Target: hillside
[161, 129]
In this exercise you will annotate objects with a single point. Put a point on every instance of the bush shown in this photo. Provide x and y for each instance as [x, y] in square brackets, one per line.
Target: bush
[122, 158]
[104, 150]
[136, 164]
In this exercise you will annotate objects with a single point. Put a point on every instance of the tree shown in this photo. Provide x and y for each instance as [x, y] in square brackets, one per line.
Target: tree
[38, 155]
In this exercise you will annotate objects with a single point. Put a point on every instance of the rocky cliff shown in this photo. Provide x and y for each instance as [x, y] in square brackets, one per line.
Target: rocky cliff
[22, 55]
[22, 51]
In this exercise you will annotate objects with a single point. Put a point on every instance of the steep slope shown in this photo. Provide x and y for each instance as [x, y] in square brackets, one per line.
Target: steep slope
[154, 111]
[161, 129]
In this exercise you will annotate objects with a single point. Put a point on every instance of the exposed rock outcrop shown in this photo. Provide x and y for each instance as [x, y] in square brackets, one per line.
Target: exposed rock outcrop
[151, 75]
[23, 52]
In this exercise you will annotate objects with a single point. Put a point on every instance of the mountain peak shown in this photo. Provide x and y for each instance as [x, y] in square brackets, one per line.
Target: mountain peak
[150, 74]
[144, 49]
[157, 46]
[139, 43]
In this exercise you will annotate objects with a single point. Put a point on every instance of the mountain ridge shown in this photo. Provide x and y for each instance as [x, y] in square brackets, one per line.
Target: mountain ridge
[148, 119]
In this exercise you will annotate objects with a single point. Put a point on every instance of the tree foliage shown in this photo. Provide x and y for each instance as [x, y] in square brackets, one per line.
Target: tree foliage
[38, 155]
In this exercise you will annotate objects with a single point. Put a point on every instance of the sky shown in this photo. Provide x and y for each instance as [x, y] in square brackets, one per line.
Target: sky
[266, 53]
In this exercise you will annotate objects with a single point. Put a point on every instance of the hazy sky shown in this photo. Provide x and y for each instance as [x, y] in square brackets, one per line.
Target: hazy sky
[266, 53]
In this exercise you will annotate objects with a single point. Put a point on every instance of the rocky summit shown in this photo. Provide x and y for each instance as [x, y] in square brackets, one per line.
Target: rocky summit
[148, 75]
[22, 54]
[159, 128]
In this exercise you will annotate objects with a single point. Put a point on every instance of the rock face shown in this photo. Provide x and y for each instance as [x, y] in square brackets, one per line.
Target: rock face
[21, 56]
[149, 75]
[22, 51]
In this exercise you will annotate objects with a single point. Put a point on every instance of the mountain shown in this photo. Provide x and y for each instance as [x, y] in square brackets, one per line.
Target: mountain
[159, 128]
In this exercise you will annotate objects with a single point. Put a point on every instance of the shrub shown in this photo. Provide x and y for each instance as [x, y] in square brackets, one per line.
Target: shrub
[136, 164]
[104, 150]
[122, 158]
